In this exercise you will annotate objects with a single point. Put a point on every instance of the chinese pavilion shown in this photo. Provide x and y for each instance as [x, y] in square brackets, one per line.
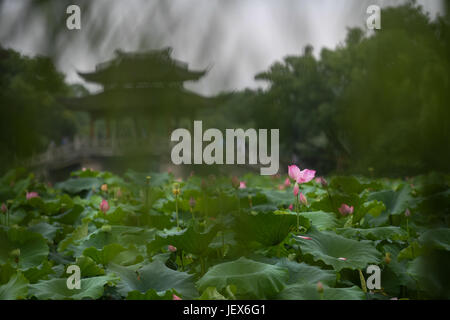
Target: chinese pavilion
[143, 97]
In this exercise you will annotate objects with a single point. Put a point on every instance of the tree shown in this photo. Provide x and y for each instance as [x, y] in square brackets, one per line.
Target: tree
[30, 116]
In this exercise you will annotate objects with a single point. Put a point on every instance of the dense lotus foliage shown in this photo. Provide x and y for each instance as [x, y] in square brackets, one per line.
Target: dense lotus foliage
[151, 236]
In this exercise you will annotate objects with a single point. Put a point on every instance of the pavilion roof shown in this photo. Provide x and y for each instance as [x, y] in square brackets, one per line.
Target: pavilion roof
[155, 66]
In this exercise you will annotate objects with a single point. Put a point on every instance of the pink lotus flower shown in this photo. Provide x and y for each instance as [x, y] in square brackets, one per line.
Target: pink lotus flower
[104, 206]
[296, 189]
[342, 259]
[31, 195]
[287, 182]
[293, 172]
[171, 248]
[175, 297]
[4, 208]
[291, 207]
[345, 209]
[242, 185]
[303, 176]
[304, 238]
[280, 187]
[303, 199]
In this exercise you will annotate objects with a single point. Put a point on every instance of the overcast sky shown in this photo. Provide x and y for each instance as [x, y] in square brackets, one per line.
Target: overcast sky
[234, 38]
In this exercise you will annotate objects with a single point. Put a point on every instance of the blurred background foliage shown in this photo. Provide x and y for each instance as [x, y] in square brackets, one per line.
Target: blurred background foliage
[30, 116]
[378, 102]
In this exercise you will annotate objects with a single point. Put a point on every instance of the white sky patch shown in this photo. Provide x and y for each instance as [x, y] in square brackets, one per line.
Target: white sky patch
[235, 39]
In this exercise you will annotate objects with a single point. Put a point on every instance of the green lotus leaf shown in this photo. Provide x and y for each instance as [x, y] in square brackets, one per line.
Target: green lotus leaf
[278, 198]
[79, 233]
[309, 292]
[22, 248]
[187, 240]
[305, 274]
[56, 289]
[70, 216]
[269, 229]
[40, 272]
[6, 272]
[321, 220]
[431, 273]
[88, 267]
[351, 184]
[123, 235]
[154, 276]
[379, 233]
[16, 288]
[436, 238]
[396, 202]
[48, 231]
[114, 252]
[394, 274]
[337, 251]
[151, 294]
[411, 252]
[211, 293]
[253, 280]
[77, 185]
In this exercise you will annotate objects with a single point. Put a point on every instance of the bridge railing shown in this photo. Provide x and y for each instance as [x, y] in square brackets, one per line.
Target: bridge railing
[82, 148]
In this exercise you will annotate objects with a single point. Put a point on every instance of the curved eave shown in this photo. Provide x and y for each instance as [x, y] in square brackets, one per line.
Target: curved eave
[122, 76]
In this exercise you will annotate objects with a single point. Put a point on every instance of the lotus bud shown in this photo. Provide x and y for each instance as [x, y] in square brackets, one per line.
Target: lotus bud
[242, 185]
[287, 182]
[104, 206]
[387, 258]
[175, 297]
[291, 207]
[171, 248]
[104, 187]
[319, 287]
[4, 208]
[407, 213]
[303, 199]
[296, 189]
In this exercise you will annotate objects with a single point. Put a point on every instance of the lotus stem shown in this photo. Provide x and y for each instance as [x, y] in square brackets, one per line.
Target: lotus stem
[176, 211]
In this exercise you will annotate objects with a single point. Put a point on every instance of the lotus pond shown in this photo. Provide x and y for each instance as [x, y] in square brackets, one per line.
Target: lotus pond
[151, 236]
